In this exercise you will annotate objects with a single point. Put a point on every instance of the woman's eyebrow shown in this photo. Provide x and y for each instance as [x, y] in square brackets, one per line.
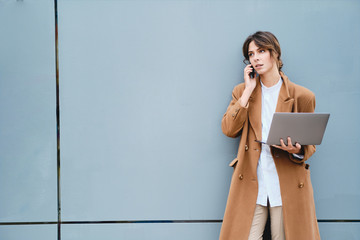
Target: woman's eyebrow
[255, 50]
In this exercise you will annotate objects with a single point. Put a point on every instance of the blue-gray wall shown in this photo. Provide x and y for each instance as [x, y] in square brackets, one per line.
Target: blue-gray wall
[143, 86]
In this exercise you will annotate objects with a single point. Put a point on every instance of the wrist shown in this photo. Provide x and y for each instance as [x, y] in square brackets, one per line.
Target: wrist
[244, 99]
[249, 89]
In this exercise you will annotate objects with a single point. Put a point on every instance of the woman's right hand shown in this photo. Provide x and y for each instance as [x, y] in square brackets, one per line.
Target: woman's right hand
[250, 83]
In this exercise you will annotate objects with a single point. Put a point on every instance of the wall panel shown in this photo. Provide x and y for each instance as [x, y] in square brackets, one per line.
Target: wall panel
[38, 232]
[144, 85]
[336, 231]
[160, 231]
[27, 105]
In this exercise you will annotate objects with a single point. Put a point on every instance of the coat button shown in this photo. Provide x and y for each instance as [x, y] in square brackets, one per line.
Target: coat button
[301, 185]
[233, 115]
[246, 147]
[241, 177]
[236, 110]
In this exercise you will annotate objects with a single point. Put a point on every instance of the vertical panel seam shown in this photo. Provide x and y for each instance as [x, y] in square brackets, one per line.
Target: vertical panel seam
[57, 123]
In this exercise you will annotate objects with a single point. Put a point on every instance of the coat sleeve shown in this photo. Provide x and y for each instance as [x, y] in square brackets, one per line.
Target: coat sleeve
[308, 150]
[235, 115]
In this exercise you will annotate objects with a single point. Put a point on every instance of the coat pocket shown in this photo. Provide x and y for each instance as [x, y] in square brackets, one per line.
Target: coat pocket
[233, 163]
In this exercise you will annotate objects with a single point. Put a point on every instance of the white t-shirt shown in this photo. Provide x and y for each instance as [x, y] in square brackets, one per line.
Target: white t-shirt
[268, 179]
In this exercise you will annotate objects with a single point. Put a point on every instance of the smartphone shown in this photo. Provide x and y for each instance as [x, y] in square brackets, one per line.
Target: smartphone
[252, 74]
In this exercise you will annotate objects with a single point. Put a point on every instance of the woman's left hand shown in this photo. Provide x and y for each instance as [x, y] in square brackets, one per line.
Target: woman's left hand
[290, 147]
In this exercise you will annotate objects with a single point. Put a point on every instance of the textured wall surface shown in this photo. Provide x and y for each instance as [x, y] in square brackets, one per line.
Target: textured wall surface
[143, 86]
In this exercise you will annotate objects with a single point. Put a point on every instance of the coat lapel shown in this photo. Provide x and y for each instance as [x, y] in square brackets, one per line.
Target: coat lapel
[255, 109]
[285, 101]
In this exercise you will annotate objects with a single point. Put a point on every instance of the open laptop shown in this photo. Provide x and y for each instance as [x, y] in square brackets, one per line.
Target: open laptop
[304, 128]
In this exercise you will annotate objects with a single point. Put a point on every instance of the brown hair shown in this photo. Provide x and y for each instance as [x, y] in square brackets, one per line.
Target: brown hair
[265, 40]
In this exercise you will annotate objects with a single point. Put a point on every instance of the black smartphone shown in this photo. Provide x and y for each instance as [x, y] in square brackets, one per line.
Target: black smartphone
[252, 74]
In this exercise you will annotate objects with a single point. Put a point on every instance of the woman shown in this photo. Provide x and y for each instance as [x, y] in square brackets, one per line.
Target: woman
[267, 179]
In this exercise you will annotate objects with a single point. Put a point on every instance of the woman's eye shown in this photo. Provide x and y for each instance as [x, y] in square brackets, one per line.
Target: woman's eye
[262, 51]
[250, 54]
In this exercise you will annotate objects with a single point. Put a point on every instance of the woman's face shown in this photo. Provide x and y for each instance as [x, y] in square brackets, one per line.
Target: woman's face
[261, 59]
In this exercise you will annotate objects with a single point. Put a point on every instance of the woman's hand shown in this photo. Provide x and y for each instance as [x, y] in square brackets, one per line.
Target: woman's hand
[250, 83]
[289, 148]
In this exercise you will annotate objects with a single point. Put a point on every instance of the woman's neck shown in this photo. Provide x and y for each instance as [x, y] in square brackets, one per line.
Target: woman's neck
[269, 79]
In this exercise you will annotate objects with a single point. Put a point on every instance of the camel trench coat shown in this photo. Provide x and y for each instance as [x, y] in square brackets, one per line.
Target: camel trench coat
[294, 175]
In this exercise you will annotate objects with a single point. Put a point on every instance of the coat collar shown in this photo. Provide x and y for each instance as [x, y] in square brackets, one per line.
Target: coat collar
[255, 109]
[285, 104]
[285, 101]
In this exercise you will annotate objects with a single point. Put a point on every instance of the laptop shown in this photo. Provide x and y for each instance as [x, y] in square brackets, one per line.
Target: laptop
[304, 128]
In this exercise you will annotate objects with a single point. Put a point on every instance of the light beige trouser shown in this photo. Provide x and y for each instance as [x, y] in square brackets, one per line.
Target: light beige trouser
[259, 222]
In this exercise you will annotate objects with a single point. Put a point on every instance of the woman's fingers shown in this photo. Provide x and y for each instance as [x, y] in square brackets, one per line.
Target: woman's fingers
[289, 142]
[282, 143]
[248, 69]
[289, 147]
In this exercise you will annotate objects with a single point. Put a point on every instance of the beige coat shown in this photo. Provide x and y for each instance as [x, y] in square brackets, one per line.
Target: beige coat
[294, 175]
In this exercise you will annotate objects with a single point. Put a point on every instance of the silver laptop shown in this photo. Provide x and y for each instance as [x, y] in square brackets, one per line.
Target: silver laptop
[304, 128]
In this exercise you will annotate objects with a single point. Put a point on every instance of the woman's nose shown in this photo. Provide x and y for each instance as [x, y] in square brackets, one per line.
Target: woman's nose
[255, 57]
